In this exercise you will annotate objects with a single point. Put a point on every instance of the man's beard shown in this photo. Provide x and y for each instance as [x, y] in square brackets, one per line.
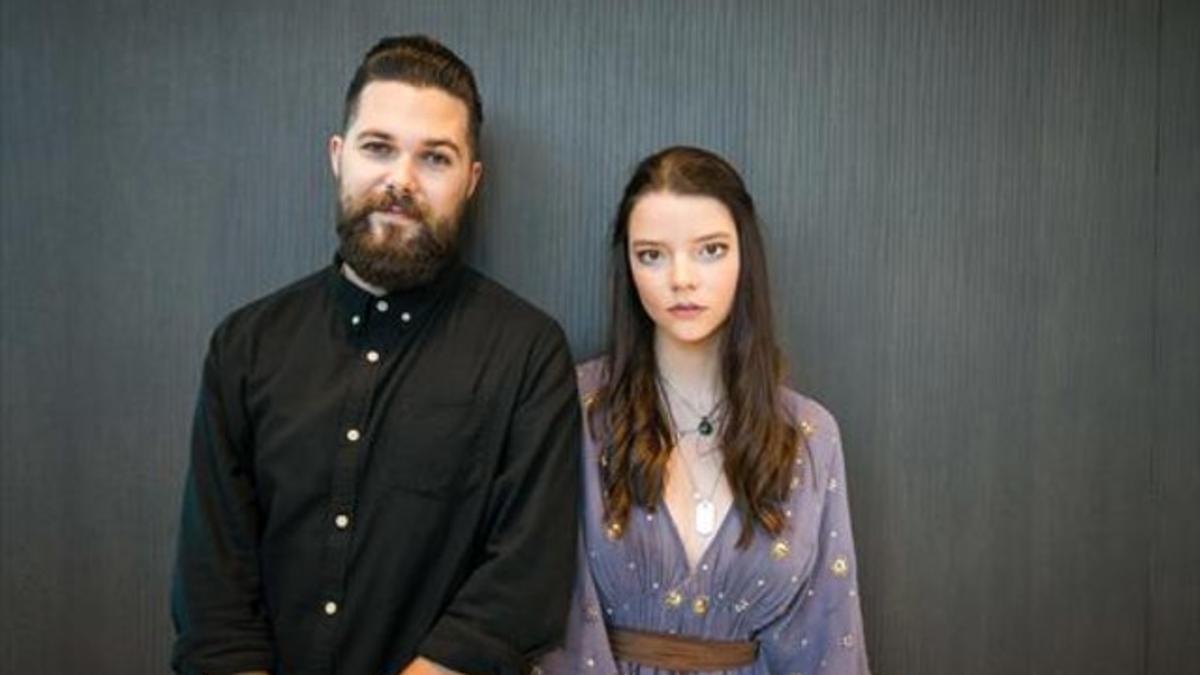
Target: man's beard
[403, 259]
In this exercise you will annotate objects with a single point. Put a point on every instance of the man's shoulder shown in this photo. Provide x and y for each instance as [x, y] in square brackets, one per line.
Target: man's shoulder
[261, 314]
[496, 304]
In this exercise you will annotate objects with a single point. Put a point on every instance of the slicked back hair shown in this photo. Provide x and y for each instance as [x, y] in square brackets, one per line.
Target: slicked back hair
[420, 61]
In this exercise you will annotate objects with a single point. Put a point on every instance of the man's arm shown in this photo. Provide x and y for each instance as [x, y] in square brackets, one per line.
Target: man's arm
[513, 605]
[220, 621]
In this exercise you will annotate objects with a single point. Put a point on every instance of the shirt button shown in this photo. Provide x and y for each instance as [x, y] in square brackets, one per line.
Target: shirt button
[406, 317]
[331, 608]
[382, 305]
[355, 320]
[342, 521]
[372, 356]
[353, 435]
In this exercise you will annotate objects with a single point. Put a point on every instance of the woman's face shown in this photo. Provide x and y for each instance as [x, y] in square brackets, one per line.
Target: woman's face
[683, 253]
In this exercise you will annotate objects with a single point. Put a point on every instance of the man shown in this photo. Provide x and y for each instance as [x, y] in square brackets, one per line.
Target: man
[384, 465]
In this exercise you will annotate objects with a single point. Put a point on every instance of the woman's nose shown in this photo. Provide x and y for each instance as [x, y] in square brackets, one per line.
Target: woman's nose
[682, 274]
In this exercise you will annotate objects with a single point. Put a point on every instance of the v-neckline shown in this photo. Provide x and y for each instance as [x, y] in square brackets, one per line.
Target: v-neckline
[673, 526]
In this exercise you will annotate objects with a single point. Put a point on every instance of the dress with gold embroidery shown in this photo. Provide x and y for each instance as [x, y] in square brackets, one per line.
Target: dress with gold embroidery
[796, 595]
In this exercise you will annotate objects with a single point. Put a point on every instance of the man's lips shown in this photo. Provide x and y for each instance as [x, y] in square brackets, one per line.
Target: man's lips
[396, 214]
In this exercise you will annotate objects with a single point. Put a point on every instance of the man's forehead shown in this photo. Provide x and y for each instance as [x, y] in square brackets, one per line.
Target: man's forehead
[391, 106]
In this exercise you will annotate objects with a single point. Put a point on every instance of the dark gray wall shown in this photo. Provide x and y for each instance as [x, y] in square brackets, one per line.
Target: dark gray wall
[984, 221]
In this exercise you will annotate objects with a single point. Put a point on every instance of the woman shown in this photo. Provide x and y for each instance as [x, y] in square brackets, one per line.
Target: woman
[716, 533]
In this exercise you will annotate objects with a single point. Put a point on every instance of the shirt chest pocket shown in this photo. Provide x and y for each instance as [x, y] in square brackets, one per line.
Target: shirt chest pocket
[436, 448]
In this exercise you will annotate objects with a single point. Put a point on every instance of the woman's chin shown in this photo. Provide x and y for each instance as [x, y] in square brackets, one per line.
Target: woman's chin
[688, 336]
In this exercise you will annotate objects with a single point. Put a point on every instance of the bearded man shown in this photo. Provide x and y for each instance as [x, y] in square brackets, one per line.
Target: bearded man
[383, 473]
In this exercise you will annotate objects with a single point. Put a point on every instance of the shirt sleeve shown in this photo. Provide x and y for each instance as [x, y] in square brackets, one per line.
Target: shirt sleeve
[220, 620]
[510, 609]
[586, 648]
[822, 630]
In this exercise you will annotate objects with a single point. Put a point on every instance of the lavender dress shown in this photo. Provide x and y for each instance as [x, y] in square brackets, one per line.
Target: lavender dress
[795, 594]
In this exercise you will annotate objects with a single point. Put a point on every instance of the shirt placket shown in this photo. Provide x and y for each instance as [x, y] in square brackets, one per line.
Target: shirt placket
[369, 334]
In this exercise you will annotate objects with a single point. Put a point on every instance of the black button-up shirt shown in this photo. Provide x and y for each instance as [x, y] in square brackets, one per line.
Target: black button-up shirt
[374, 479]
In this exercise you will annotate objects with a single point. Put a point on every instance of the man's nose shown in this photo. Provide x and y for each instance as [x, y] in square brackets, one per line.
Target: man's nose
[402, 177]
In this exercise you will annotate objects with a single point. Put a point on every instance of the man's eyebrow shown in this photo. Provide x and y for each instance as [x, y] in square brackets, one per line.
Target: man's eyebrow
[447, 143]
[374, 133]
[444, 143]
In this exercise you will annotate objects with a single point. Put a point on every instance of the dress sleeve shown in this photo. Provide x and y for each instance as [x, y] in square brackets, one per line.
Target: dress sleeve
[586, 649]
[822, 630]
[220, 619]
[510, 608]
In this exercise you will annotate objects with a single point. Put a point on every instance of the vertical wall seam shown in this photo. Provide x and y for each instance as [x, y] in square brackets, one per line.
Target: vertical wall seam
[1152, 500]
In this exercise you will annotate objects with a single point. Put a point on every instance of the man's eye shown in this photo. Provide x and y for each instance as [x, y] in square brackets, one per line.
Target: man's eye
[713, 250]
[648, 256]
[437, 159]
[376, 148]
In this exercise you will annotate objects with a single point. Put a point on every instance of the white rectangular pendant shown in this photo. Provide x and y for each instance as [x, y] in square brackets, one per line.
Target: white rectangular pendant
[706, 518]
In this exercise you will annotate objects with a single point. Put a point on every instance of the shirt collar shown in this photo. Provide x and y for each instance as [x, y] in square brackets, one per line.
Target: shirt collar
[359, 307]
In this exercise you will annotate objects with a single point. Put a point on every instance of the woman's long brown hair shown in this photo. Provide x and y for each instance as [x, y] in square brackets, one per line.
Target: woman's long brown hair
[759, 440]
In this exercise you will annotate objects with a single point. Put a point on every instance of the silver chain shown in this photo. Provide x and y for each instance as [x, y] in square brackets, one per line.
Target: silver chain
[708, 420]
[697, 495]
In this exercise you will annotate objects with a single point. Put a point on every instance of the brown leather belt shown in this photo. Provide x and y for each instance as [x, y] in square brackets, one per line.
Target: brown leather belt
[673, 652]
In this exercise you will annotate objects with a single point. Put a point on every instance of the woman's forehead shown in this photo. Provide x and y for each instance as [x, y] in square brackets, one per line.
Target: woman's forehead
[667, 217]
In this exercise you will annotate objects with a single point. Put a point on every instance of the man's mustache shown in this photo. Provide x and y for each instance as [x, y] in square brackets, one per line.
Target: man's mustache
[403, 203]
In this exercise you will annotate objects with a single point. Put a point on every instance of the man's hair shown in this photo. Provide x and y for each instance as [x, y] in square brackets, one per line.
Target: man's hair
[421, 61]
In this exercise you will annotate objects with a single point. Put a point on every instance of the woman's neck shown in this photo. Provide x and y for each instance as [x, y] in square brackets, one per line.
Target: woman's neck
[693, 368]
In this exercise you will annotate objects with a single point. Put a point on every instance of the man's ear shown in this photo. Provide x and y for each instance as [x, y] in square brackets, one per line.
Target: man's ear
[335, 154]
[476, 175]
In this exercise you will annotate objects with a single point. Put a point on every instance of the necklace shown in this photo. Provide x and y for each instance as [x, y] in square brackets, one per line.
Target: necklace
[705, 426]
[706, 510]
[705, 518]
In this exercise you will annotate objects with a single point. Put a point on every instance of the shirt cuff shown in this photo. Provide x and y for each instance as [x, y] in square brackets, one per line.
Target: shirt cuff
[457, 645]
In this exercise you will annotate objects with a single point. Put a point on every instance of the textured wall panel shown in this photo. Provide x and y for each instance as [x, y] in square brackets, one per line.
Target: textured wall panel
[1173, 621]
[983, 226]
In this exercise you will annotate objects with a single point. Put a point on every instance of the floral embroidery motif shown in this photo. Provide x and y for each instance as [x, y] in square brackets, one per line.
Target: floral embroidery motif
[840, 567]
[780, 549]
[673, 599]
[613, 531]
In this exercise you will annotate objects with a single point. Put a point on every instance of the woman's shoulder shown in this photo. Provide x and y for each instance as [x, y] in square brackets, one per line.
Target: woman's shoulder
[819, 426]
[805, 408]
[590, 376]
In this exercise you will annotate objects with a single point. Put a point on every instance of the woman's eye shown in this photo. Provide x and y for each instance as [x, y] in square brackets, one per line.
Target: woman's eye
[713, 250]
[648, 256]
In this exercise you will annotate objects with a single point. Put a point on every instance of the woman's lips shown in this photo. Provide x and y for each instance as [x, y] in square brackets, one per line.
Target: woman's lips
[686, 310]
